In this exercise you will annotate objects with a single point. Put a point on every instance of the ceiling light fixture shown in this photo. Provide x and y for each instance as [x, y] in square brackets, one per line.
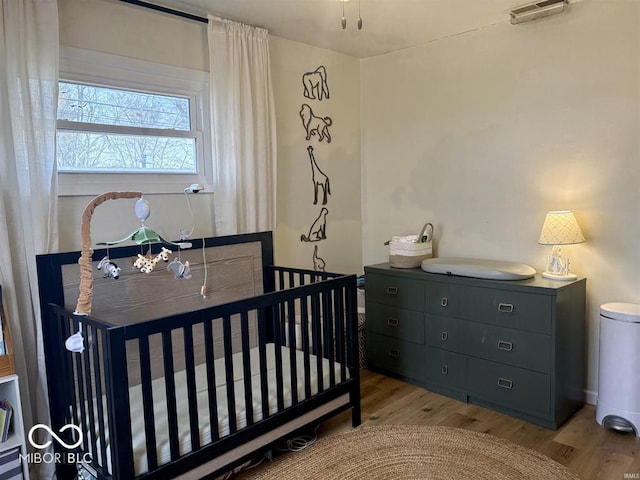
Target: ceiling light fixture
[343, 20]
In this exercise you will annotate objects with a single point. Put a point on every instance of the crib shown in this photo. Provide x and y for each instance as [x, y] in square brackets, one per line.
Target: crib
[172, 383]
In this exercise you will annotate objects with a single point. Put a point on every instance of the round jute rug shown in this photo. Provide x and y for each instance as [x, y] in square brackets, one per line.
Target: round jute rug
[402, 452]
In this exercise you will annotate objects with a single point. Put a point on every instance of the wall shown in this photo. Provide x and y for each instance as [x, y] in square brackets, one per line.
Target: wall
[338, 160]
[122, 29]
[482, 133]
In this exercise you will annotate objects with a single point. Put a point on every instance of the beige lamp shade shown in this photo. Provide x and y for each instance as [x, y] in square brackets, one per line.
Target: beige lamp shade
[560, 228]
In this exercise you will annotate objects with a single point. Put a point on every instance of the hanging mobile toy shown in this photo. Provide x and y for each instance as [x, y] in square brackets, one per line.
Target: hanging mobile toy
[146, 264]
[179, 269]
[109, 268]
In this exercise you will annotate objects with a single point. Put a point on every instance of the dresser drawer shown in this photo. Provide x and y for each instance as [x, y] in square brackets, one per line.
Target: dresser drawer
[505, 308]
[444, 367]
[396, 322]
[397, 291]
[511, 387]
[441, 332]
[442, 299]
[395, 356]
[506, 345]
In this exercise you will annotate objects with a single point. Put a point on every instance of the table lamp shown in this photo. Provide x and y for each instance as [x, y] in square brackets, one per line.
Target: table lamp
[559, 228]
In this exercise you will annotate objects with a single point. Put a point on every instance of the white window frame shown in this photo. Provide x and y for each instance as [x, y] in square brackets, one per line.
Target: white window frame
[96, 68]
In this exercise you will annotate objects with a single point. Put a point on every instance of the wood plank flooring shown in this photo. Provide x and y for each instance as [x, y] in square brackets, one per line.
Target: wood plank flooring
[591, 451]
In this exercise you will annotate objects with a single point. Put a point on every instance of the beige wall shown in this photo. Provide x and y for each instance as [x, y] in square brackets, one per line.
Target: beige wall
[480, 133]
[122, 29]
[484, 132]
[339, 160]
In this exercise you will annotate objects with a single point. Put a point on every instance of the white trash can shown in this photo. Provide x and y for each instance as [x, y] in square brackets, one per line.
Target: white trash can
[619, 368]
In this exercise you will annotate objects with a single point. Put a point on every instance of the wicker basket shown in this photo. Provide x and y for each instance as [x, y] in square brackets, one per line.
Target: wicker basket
[410, 250]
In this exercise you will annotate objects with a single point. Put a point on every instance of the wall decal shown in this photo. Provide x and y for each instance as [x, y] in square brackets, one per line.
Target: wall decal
[318, 263]
[319, 178]
[315, 125]
[318, 230]
[315, 84]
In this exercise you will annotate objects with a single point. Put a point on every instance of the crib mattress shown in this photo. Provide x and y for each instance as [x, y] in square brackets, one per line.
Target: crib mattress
[160, 403]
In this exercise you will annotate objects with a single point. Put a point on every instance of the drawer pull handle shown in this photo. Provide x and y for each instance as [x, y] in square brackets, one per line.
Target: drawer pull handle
[393, 322]
[505, 307]
[444, 302]
[445, 369]
[504, 345]
[392, 290]
[393, 353]
[444, 336]
[505, 383]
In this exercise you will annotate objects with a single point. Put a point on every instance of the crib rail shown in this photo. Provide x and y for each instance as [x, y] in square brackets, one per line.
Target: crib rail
[88, 381]
[312, 314]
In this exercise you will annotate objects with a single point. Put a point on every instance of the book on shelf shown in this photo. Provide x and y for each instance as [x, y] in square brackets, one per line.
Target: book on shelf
[7, 359]
[3, 349]
[6, 412]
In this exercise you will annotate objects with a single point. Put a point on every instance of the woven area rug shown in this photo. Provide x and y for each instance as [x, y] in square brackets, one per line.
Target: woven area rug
[402, 452]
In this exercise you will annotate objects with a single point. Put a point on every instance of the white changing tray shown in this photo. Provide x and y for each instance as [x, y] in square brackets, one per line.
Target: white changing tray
[478, 268]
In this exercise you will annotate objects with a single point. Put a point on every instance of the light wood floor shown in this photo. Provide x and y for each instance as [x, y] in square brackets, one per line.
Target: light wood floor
[591, 451]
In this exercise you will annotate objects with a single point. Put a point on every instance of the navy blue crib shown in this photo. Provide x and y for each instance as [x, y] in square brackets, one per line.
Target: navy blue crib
[171, 382]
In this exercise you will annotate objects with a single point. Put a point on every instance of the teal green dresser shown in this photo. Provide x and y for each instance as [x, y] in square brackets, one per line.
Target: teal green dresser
[517, 347]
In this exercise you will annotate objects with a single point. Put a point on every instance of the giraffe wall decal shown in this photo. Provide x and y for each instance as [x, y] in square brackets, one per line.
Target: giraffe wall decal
[319, 178]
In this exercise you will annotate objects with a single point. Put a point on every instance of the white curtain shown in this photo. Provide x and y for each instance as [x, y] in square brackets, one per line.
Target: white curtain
[28, 189]
[243, 127]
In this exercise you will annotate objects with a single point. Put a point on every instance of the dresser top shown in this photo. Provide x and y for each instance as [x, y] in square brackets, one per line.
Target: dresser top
[538, 283]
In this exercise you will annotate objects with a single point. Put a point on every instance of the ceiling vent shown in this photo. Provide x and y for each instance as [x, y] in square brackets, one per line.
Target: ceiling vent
[536, 10]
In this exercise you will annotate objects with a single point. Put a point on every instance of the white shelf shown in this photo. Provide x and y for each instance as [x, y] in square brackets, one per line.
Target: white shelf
[10, 391]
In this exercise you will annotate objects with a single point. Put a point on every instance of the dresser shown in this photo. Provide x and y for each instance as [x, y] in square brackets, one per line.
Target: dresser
[517, 347]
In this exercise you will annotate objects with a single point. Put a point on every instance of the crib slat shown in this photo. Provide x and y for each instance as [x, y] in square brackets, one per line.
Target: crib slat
[170, 389]
[262, 353]
[194, 423]
[292, 353]
[70, 383]
[228, 368]
[211, 380]
[99, 340]
[246, 363]
[281, 287]
[304, 328]
[340, 338]
[317, 335]
[82, 421]
[147, 403]
[277, 340]
[118, 403]
[329, 340]
[87, 380]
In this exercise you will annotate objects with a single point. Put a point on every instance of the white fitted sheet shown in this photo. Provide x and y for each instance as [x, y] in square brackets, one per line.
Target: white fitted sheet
[160, 404]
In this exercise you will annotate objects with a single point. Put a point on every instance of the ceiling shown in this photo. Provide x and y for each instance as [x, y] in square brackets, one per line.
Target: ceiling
[388, 25]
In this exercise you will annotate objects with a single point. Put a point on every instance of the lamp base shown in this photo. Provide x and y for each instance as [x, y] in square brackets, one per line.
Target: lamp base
[559, 276]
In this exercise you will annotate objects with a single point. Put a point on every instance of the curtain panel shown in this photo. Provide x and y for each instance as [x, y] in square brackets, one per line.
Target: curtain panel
[243, 127]
[28, 190]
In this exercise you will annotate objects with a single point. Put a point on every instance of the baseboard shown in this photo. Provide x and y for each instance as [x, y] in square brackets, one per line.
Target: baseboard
[591, 397]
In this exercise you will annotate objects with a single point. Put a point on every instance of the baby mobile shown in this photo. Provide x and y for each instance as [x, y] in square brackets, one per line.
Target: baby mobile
[144, 235]
[145, 263]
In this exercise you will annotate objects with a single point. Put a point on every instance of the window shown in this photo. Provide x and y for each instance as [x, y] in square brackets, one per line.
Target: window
[129, 124]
